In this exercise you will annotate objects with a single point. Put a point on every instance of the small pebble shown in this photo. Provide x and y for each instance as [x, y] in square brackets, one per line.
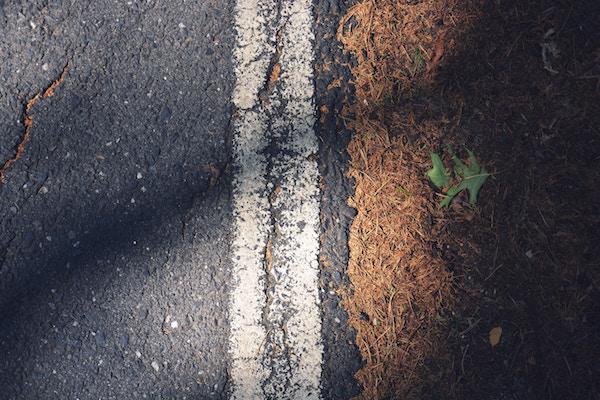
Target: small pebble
[529, 254]
[155, 366]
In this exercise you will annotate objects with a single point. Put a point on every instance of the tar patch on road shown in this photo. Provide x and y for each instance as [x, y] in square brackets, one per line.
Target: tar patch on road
[342, 359]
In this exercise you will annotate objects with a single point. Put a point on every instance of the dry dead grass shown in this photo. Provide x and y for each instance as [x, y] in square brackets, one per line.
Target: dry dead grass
[398, 45]
[399, 289]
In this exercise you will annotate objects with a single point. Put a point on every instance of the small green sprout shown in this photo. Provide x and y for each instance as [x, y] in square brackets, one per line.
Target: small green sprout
[470, 176]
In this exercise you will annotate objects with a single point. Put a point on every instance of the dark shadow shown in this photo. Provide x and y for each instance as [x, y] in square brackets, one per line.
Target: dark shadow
[526, 256]
[46, 291]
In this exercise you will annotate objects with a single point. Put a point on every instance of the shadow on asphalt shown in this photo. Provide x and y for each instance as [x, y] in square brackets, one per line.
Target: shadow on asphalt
[105, 250]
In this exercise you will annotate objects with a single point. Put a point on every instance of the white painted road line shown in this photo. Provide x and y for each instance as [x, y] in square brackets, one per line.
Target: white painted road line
[274, 311]
[251, 209]
[295, 248]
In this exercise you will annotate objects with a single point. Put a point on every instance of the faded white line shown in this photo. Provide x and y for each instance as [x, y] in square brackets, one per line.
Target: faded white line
[275, 343]
[296, 245]
[251, 210]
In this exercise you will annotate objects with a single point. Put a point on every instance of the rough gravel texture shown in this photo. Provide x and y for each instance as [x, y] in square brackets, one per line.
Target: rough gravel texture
[110, 224]
[115, 223]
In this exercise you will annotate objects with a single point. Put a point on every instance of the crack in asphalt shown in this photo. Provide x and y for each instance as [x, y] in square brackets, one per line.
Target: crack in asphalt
[27, 120]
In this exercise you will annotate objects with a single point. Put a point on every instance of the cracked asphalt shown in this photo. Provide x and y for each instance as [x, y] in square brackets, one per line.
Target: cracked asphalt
[115, 224]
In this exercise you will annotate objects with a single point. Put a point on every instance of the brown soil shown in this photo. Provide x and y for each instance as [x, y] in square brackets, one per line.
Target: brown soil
[516, 82]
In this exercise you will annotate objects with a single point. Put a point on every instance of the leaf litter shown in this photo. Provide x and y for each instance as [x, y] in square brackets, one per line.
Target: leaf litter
[428, 283]
[400, 289]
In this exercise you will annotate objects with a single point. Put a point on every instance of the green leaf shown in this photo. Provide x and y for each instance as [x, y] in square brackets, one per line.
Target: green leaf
[438, 174]
[459, 166]
[473, 183]
[472, 177]
[452, 192]
[473, 164]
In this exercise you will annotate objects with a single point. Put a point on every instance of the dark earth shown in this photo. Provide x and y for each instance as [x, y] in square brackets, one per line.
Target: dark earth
[524, 87]
[517, 83]
[115, 222]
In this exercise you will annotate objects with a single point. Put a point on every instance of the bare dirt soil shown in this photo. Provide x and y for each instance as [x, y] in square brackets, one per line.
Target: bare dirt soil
[497, 300]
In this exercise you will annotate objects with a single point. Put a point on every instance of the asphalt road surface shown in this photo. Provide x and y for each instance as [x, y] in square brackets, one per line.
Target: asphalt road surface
[175, 227]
